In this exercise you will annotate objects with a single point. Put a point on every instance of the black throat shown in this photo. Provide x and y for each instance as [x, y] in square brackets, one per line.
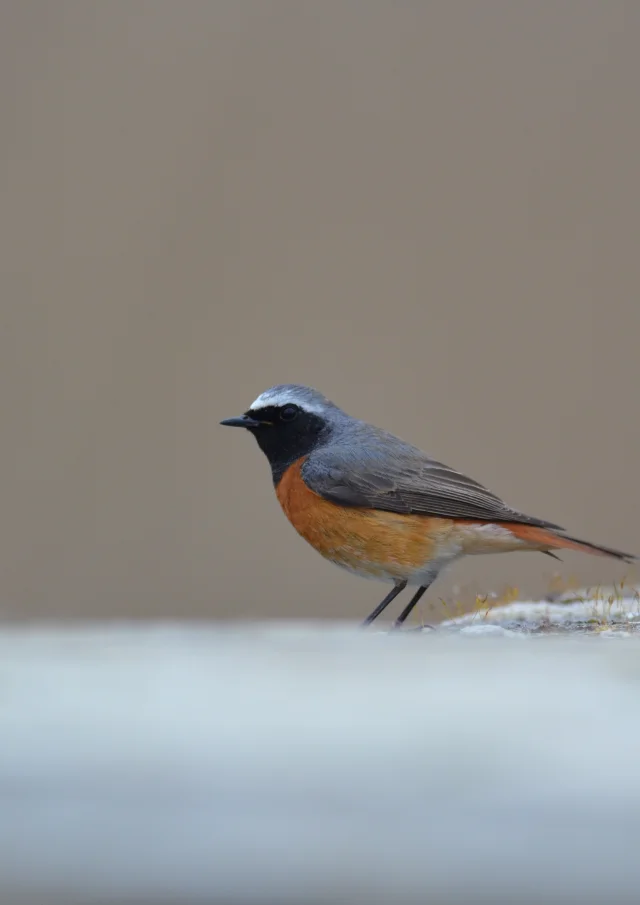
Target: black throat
[283, 443]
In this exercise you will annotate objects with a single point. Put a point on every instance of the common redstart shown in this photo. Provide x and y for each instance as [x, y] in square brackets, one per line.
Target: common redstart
[379, 507]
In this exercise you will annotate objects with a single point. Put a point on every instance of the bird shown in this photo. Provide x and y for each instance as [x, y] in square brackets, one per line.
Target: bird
[380, 507]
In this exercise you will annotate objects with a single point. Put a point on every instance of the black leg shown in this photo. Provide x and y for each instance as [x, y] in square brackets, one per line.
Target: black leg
[407, 610]
[393, 593]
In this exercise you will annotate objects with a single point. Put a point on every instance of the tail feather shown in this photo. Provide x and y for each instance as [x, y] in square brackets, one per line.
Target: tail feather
[596, 549]
[548, 540]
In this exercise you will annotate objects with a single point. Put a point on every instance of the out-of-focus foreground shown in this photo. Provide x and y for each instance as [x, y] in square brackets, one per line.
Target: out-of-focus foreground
[295, 764]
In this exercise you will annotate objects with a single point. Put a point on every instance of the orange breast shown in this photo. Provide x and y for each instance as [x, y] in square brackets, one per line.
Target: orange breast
[378, 544]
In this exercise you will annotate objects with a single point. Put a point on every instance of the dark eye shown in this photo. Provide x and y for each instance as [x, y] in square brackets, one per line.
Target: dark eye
[289, 413]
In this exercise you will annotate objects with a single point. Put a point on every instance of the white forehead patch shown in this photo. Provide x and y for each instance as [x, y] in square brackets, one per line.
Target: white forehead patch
[285, 396]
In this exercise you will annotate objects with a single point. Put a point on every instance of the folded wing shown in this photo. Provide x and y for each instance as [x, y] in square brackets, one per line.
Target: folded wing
[395, 477]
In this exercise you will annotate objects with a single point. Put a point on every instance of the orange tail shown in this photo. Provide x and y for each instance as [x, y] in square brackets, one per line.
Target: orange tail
[544, 540]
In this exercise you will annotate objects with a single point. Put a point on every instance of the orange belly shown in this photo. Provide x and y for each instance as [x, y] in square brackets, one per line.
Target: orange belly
[397, 546]
[389, 545]
[383, 544]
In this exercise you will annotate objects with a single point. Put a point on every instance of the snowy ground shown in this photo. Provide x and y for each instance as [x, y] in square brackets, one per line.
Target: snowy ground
[301, 762]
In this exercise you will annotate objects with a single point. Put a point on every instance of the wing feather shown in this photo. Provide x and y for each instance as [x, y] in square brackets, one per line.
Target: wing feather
[395, 477]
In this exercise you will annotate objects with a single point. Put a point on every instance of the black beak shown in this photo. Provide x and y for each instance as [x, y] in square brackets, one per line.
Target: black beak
[242, 421]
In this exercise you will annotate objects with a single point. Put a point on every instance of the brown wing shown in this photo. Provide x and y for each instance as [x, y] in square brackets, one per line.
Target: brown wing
[395, 477]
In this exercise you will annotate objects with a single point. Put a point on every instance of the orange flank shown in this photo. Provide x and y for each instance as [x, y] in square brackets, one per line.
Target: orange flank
[390, 545]
[386, 544]
[379, 544]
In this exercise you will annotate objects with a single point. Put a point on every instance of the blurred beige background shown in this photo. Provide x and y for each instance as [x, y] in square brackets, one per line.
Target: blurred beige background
[428, 210]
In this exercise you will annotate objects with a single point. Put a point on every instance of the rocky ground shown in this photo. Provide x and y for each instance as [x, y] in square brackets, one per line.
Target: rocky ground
[604, 611]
